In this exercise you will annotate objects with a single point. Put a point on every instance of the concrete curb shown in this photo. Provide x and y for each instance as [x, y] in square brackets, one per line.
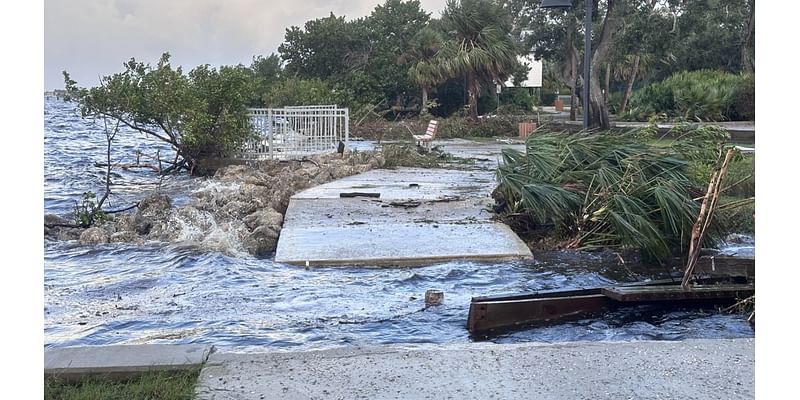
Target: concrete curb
[122, 361]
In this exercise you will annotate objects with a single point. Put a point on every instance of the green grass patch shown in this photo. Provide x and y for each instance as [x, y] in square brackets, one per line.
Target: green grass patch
[157, 385]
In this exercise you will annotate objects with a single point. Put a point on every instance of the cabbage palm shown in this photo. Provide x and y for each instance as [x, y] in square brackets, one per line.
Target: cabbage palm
[424, 47]
[605, 191]
[480, 45]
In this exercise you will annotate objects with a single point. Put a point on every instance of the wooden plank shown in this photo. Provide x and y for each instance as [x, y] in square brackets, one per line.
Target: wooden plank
[671, 293]
[537, 295]
[718, 266]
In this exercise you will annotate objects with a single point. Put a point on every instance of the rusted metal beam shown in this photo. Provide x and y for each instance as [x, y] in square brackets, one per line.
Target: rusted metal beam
[518, 310]
[506, 312]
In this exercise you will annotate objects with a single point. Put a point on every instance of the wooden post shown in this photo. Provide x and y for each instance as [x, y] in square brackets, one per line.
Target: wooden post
[433, 297]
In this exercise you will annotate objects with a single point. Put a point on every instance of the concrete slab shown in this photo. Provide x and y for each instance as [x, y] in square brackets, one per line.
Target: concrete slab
[383, 244]
[122, 361]
[408, 183]
[422, 216]
[692, 369]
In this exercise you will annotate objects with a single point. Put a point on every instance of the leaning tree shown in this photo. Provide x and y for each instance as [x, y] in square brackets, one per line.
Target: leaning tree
[199, 114]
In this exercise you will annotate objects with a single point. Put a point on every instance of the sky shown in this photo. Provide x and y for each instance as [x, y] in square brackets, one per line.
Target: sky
[93, 38]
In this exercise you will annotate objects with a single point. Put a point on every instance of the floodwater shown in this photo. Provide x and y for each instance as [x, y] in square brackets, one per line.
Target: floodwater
[159, 293]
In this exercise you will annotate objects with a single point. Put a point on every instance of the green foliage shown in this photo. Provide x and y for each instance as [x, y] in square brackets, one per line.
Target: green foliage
[265, 73]
[740, 180]
[516, 100]
[547, 97]
[603, 191]
[200, 114]
[360, 56]
[480, 45]
[161, 385]
[744, 102]
[501, 125]
[87, 212]
[703, 95]
[301, 92]
[325, 47]
[737, 215]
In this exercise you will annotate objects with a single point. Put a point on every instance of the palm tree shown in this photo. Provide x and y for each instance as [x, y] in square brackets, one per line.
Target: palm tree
[423, 48]
[631, 68]
[480, 45]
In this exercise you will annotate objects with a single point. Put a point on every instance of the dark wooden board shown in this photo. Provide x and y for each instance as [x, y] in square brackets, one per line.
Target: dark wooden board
[671, 293]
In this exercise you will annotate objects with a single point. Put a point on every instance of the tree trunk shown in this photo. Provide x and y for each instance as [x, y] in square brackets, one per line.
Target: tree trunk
[472, 90]
[424, 99]
[573, 98]
[747, 57]
[599, 108]
[629, 86]
[572, 56]
[607, 83]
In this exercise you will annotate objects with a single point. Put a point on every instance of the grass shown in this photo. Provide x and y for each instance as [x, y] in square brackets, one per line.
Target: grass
[157, 385]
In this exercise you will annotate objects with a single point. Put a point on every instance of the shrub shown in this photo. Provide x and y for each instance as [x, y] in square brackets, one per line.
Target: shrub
[744, 103]
[704, 95]
[547, 97]
[301, 92]
[516, 100]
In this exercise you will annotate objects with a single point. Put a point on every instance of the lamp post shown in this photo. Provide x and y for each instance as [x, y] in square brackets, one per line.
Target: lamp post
[587, 49]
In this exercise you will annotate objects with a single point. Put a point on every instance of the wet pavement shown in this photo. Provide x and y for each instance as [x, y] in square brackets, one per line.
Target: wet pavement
[416, 217]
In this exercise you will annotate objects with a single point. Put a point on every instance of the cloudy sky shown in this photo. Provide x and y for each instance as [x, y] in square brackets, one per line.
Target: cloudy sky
[90, 38]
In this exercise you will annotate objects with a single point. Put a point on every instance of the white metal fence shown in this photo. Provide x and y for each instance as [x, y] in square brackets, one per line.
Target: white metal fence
[295, 132]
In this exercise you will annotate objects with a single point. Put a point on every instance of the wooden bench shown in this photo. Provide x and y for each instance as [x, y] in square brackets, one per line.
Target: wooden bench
[430, 134]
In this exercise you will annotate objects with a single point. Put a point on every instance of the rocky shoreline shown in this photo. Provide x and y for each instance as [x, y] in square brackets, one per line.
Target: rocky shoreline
[241, 208]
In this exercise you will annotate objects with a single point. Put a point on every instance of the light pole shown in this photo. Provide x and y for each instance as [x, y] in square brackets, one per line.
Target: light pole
[587, 49]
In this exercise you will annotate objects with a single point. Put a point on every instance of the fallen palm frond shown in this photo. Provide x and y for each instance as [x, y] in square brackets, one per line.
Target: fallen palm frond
[604, 190]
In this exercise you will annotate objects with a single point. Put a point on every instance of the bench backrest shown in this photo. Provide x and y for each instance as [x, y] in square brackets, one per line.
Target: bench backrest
[431, 131]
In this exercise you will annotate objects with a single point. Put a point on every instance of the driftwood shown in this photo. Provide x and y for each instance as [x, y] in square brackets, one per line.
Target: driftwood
[706, 214]
[127, 166]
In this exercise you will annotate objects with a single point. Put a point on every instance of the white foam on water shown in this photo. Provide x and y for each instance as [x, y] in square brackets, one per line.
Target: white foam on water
[197, 228]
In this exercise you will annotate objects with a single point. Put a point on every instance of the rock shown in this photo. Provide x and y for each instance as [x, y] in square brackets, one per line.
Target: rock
[154, 205]
[243, 202]
[237, 209]
[152, 208]
[142, 225]
[52, 219]
[49, 229]
[266, 217]
[125, 237]
[94, 235]
[53, 230]
[262, 241]
[280, 199]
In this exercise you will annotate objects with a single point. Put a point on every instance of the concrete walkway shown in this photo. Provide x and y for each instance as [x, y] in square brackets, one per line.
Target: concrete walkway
[692, 369]
[422, 216]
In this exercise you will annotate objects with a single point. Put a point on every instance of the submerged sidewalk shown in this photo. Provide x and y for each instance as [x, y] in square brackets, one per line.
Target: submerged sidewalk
[691, 369]
[405, 216]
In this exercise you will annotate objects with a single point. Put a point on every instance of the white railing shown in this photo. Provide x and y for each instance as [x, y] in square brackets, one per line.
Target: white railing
[296, 132]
